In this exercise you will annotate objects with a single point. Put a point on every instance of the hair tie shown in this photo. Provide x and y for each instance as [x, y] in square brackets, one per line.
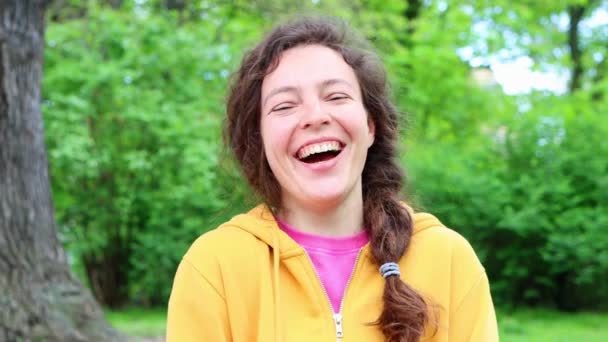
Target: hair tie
[389, 269]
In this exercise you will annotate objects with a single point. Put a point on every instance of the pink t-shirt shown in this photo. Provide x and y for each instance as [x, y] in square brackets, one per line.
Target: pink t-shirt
[333, 258]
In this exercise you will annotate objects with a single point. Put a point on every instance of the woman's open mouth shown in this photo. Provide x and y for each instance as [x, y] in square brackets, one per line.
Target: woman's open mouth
[319, 152]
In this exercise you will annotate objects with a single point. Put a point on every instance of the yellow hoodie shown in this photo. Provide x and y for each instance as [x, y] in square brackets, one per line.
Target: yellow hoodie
[248, 281]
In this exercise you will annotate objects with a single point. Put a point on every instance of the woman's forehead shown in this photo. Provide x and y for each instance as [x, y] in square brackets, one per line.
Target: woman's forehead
[310, 65]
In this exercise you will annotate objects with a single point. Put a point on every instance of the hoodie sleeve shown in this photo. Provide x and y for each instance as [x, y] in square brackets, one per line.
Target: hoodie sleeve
[471, 315]
[474, 319]
[197, 310]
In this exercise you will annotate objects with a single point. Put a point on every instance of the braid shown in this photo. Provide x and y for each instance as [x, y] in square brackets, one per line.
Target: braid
[404, 313]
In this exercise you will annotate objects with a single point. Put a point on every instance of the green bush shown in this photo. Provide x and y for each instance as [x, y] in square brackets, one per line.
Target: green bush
[532, 199]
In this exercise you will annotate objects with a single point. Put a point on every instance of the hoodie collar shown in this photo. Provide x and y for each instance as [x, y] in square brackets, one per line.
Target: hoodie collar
[261, 223]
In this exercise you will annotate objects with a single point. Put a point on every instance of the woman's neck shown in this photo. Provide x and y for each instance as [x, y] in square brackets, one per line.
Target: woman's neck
[343, 219]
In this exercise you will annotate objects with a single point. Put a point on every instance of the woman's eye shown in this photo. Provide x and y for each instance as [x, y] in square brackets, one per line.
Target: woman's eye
[281, 108]
[336, 97]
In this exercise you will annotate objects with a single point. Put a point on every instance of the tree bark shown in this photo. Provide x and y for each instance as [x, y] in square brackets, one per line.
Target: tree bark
[576, 15]
[597, 95]
[412, 12]
[178, 5]
[115, 3]
[40, 299]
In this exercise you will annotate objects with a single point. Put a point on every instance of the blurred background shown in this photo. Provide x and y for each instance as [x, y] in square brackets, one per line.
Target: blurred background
[505, 140]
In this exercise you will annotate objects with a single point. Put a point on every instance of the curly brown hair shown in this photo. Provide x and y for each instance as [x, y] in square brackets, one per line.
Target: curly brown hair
[390, 225]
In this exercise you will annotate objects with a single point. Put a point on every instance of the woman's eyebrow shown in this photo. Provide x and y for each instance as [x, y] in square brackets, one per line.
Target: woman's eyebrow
[292, 89]
[285, 89]
[334, 81]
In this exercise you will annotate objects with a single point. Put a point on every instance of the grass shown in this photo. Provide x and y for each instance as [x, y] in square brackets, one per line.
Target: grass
[529, 325]
[139, 322]
[536, 325]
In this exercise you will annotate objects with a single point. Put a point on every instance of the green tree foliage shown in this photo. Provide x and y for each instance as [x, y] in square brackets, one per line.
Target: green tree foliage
[134, 101]
[133, 110]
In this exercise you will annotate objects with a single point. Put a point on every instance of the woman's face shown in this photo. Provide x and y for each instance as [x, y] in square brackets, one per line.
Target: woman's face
[315, 129]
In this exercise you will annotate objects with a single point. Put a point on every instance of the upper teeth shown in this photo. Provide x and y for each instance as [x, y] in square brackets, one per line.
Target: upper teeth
[318, 148]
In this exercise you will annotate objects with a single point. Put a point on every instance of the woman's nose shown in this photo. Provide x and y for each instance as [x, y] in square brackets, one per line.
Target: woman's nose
[315, 115]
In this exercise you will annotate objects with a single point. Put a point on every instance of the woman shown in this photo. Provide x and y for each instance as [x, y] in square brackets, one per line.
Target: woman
[333, 253]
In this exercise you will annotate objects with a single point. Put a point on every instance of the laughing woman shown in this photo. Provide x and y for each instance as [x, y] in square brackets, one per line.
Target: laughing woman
[333, 253]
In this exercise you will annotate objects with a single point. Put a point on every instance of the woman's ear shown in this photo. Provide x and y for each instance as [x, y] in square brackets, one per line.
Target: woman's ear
[371, 132]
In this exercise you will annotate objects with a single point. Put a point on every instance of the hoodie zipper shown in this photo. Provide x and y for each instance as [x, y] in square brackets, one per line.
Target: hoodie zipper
[338, 320]
[337, 317]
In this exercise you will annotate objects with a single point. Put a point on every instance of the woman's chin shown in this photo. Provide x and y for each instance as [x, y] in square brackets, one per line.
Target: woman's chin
[323, 200]
[322, 193]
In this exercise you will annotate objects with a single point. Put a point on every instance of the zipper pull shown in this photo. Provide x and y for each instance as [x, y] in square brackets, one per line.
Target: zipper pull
[338, 322]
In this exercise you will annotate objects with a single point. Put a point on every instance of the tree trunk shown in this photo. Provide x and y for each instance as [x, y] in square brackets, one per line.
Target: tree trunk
[411, 13]
[576, 15]
[115, 3]
[597, 95]
[178, 5]
[40, 300]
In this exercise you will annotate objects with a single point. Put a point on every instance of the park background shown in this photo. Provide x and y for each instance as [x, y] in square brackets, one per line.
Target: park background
[133, 101]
